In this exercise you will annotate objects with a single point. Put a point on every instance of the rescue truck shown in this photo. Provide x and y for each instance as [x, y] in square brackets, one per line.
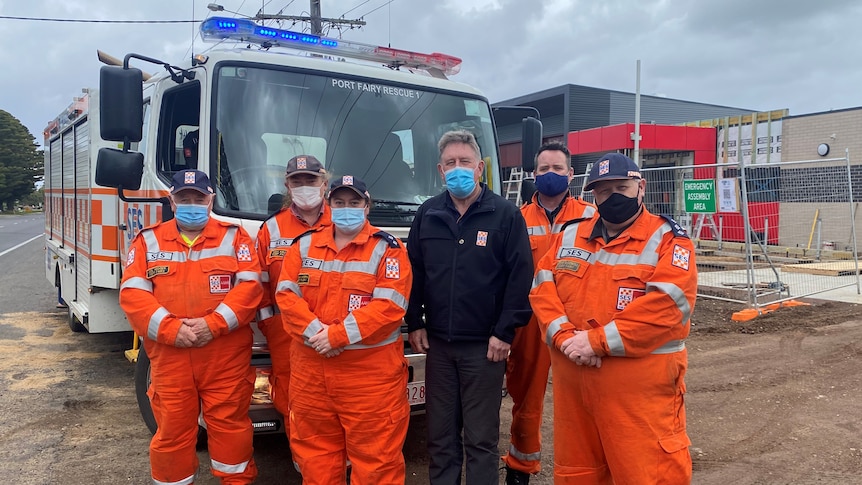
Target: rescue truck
[239, 112]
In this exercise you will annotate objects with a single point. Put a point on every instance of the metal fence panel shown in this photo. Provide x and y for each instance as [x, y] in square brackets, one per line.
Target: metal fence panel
[780, 231]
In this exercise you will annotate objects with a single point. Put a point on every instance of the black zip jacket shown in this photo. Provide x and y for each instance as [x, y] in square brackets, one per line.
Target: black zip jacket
[471, 278]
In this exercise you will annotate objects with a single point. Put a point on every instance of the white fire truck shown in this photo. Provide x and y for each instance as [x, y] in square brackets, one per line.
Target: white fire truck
[369, 111]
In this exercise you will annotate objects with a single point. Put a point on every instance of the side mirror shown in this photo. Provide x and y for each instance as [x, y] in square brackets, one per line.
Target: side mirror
[116, 168]
[121, 104]
[531, 140]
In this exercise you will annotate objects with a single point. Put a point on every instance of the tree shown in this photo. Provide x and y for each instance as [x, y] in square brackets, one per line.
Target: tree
[21, 161]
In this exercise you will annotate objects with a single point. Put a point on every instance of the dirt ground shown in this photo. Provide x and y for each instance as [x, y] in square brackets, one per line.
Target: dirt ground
[770, 401]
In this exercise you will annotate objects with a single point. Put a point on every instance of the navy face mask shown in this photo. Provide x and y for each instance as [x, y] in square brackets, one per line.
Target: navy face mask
[618, 208]
[552, 184]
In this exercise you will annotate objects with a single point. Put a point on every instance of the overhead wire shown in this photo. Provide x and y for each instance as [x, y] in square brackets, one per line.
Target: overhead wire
[97, 21]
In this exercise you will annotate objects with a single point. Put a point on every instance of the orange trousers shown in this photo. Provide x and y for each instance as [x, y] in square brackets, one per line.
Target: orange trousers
[621, 424]
[527, 380]
[217, 379]
[278, 341]
[350, 407]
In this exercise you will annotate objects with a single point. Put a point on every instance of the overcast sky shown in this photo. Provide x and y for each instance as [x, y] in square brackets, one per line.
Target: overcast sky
[760, 54]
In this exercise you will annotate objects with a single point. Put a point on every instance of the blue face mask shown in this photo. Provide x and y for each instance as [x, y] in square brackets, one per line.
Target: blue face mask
[348, 219]
[192, 217]
[460, 182]
[552, 184]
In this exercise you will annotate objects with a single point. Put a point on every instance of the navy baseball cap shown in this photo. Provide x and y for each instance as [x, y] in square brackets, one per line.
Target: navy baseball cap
[304, 164]
[349, 181]
[612, 166]
[191, 179]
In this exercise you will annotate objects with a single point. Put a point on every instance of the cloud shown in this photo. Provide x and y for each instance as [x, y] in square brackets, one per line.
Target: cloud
[764, 55]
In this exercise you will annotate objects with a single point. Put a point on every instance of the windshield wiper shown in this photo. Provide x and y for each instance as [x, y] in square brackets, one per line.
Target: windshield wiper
[396, 202]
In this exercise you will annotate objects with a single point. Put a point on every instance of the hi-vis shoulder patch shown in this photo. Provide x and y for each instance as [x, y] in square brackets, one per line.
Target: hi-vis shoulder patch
[393, 268]
[156, 270]
[628, 295]
[131, 257]
[243, 253]
[678, 231]
[220, 283]
[681, 257]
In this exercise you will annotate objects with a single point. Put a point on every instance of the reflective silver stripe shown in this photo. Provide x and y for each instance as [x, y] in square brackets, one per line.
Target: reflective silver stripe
[570, 233]
[396, 335]
[338, 266]
[391, 295]
[265, 312]
[615, 342]
[554, 327]
[524, 456]
[287, 285]
[229, 316]
[312, 329]
[367, 267]
[247, 276]
[272, 229]
[556, 228]
[184, 481]
[351, 327]
[647, 257]
[156, 322]
[138, 283]
[225, 468]
[676, 294]
[304, 244]
[264, 276]
[225, 247]
[150, 240]
[536, 231]
[671, 347]
[543, 276]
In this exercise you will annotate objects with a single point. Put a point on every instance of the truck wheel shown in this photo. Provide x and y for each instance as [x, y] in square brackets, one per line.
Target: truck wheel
[74, 324]
[142, 383]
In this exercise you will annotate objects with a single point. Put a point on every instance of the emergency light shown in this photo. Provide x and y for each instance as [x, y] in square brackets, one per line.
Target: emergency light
[242, 30]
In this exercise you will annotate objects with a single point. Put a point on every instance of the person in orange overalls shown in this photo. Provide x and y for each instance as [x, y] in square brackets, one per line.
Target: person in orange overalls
[190, 287]
[343, 292]
[529, 362]
[303, 209]
[613, 297]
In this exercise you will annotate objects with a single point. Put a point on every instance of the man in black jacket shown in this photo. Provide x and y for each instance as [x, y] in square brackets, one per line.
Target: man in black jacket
[472, 271]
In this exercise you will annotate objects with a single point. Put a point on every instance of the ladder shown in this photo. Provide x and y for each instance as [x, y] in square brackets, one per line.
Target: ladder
[513, 185]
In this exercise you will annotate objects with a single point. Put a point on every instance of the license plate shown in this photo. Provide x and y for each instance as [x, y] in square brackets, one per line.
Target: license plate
[416, 392]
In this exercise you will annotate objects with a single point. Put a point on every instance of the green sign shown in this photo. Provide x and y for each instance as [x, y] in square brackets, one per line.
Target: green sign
[699, 196]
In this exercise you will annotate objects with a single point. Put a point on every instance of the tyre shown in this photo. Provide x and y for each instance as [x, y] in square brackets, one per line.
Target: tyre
[74, 324]
[142, 383]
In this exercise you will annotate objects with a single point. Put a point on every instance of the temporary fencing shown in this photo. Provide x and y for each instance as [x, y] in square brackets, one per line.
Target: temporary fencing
[764, 233]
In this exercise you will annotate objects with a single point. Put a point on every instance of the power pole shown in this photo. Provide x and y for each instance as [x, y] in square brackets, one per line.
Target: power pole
[315, 18]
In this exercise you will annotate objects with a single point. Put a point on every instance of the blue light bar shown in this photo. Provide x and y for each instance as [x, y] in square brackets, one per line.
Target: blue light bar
[244, 30]
[221, 28]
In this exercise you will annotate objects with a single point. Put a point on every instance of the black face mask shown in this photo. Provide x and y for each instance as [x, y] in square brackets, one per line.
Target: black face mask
[618, 208]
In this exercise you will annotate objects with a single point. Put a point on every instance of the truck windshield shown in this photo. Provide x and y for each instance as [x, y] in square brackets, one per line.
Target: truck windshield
[385, 134]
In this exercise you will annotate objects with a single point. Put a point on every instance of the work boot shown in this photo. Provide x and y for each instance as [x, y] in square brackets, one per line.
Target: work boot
[516, 477]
